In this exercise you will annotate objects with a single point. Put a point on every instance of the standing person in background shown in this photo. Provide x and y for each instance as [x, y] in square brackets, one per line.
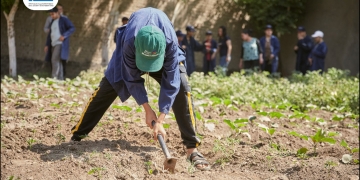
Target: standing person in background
[49, 19]
[224, 49]
[318, 53]
[210, 46]
[251, 52]
[47, 27]
[180, 37]
[271, 46]
[190, 45]
[302, 50]
[57, 43]
[124, 21]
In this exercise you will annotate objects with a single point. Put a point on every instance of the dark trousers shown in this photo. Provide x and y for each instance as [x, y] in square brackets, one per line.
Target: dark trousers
[64, 67]
[104, 96]
[208, 66]
[251, 64]
[318, 64]
[267, 66]
[302, 66]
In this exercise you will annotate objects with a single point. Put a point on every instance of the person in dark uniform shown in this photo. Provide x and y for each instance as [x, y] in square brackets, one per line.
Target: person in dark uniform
[318, 52]
[210, 47]
[180, 37]
[190, 45]
[148, 46]
[302, 50]
[124, 21]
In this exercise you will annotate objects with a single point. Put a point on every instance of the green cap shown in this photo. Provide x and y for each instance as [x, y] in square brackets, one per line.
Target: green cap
[150, 47]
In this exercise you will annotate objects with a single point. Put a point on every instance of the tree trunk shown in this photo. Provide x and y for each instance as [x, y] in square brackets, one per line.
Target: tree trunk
[11, 38]
[109, 28]
[176, 11]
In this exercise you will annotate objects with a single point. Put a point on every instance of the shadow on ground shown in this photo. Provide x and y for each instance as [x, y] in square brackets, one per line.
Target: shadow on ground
[76, 149]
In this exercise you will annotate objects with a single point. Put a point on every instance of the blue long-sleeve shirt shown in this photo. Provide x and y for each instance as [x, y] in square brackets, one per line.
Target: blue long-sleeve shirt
[319, 51]
[274, 45]
[122, 72]
[318, 54]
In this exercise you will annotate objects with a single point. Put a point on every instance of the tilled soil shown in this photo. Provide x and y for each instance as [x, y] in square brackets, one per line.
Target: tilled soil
[122, 147]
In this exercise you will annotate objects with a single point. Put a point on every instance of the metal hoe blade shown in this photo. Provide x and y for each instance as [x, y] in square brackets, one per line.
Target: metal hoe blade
[169, 164]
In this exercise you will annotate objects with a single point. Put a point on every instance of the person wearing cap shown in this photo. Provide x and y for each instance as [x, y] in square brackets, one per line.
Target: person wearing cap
[224, 49]
[57, 43]
[271, 46]
[210, 46]
[190, 45]
[124, 21]
[302, 50]
[251, 52]
[49, 19]
[318, 52]
[180, 37]
[147, 46]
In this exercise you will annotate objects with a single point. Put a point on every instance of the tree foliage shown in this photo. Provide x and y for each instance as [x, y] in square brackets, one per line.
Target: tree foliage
[6, 5]
[283, 15]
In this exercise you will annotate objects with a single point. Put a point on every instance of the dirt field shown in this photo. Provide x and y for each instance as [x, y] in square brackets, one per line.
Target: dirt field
[35, 133]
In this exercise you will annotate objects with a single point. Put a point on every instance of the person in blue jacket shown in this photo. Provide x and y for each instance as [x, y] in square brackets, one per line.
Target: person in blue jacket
[302, 50]
[210, 47]
[318, 53]
[271, 46]
[148, 46]
[190, 45]
[57, 43]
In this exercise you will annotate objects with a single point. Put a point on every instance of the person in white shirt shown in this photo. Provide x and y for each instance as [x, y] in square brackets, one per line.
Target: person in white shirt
[49, 19]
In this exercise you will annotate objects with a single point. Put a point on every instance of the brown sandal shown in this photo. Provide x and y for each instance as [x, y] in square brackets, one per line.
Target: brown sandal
[197, 158]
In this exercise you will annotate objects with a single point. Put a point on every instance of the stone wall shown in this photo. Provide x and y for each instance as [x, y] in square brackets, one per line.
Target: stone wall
[339, 21]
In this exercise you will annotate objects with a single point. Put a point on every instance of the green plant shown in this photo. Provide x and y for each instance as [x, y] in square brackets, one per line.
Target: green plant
[12, 178]
[30, 142]
[191, 168]
[269, 160]
[84, 136]
[108, 156]
[356, 161]
[124, 108]
[118, 131]
[301, 153]
[148, 165]
[329, 164]
[2, 126]
[96, 170]
[321, 136]
[237, 124]
[347, 147]
[166, 126]
[226, 148]
[60, 138]
[304, 137]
